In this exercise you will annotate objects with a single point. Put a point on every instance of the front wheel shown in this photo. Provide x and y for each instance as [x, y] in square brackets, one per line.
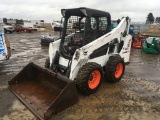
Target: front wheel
[114, 69]
[89, 78]
[5, 31]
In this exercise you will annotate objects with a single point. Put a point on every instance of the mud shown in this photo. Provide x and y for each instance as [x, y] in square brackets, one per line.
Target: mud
[135, 97]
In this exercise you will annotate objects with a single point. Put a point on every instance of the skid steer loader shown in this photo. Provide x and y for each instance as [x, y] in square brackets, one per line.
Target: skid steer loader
[86, 51]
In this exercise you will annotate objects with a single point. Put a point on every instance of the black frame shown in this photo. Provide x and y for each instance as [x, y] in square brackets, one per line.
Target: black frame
[89, 13]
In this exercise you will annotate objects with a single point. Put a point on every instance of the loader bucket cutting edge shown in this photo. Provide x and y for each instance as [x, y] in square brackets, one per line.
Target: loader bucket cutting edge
[44, 92]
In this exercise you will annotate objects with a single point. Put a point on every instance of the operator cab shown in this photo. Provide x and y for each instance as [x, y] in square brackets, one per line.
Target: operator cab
[82, 26]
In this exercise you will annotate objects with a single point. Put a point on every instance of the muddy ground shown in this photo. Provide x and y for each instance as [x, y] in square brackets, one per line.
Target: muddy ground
[135, 97]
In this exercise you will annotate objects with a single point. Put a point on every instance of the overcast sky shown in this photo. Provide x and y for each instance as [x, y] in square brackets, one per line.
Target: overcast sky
[48, 10]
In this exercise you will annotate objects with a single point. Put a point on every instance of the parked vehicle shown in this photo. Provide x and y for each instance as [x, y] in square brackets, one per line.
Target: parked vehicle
[19, 28]
[8, 28]
[79, 59]
[28, 25]
[57, 26]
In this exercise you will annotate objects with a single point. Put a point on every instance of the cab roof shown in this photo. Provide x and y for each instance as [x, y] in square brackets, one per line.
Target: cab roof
[83, 11]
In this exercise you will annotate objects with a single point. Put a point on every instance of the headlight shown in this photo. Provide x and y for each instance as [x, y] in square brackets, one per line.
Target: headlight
[6, 28]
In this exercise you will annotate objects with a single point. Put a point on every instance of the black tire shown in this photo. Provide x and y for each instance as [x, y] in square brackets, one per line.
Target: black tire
[114, 69]
[89, 78]
[47, 63]
[5, 31]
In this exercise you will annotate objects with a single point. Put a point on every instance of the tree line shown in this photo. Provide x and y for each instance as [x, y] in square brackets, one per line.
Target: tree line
[151, 19]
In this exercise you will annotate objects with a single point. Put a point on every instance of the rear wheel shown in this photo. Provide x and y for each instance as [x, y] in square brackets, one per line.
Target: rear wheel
[89, 78]
[114, 69]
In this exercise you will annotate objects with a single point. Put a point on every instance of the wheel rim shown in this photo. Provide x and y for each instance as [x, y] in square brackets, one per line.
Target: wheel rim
[94, 79]
[119, 70]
